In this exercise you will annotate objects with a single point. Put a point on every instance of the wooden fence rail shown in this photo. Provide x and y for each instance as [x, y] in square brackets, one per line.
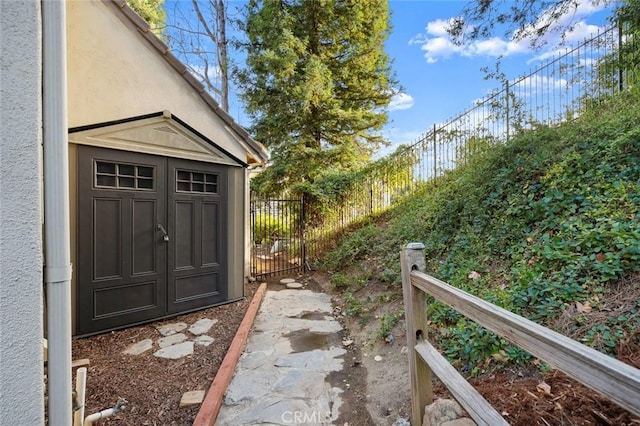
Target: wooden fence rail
[614, 379]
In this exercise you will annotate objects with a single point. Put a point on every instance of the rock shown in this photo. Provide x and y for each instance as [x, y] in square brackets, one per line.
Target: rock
[278, 246]
[163, 342]
[192, 398]
[287, 281]
[169, 329]
[175, 351]
[404, 350]
[138, 348]
[462, 421]
[203, 340]
[415, 246]
[294, 286]
[401, 422]
[389, 339]
[202, 326]
[347, 342]
[441, 411]
[377, 358]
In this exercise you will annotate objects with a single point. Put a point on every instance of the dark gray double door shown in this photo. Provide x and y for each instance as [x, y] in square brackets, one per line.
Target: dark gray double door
[151, 237]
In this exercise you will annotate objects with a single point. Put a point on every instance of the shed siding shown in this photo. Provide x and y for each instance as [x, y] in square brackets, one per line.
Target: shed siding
[21, 385]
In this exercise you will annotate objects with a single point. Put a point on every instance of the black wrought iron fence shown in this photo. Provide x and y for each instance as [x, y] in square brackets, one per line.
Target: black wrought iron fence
[277, 243]
[559, 89]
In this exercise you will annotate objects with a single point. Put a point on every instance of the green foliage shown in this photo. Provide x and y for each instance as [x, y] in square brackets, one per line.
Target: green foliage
[268, 227]
[316, 82]
[354, 282]
[356, 307]
[388, 321]
[151, 11]
[355, 246]
[549, 219]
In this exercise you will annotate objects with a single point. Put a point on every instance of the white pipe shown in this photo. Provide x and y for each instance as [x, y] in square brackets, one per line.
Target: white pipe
[105, 413]
[81, 386]
[56, 206]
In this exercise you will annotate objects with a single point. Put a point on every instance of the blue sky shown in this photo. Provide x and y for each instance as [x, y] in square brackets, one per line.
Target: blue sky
[438, 79]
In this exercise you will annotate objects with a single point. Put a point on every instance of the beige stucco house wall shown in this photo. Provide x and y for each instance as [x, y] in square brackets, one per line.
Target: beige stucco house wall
[21, 243]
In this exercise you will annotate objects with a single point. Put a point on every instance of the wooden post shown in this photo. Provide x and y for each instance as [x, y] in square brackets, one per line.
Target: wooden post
[415, 311]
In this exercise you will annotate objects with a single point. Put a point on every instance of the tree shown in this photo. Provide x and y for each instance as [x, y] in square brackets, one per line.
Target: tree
[151, 11]
[316, 84]
[198, 35]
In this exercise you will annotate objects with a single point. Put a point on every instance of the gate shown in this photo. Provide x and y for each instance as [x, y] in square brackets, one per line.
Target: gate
[277, 236]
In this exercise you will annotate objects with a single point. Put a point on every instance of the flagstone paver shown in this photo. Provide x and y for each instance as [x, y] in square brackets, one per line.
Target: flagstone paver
[175, 351]
[172, 339]
[286, 364]
[294, 286]
[169, 329]
[202, 326]
[203, 340]
[140, 347]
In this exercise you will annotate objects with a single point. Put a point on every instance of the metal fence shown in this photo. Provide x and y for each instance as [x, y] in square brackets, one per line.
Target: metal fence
[565, 83]
[276, 236]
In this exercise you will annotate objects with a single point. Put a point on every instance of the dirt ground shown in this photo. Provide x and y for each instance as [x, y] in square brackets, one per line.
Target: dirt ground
[520, 395]
[376, 374]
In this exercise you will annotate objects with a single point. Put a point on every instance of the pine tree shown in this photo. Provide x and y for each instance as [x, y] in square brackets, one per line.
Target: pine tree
[316, 85]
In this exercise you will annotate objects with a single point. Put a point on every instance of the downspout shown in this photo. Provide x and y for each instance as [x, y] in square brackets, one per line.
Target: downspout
[56, 211]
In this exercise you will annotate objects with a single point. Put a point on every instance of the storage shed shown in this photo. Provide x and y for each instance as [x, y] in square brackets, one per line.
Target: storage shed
[158, 177]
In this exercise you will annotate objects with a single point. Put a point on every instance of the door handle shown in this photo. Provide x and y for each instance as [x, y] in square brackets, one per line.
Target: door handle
[165, 235]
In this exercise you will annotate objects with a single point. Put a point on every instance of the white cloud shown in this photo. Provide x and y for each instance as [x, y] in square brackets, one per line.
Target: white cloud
[439, 48]
[532, 85]
[400, 101]
[437, 44]
[581, 31]
[438, 28]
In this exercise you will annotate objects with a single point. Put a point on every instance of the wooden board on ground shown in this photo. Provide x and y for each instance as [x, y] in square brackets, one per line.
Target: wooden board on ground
[84, 362]
[192, 398]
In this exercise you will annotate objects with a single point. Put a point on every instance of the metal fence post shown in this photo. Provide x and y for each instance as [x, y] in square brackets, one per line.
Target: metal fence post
[415, 311]
[507, 107]
[435, 154]
[303, 237]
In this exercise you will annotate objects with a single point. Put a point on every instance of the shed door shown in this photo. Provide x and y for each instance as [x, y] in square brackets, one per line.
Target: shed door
[151, 237]
[197, 220]
[121, 254]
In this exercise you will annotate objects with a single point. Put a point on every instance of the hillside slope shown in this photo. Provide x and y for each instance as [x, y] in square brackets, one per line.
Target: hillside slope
[547, 226]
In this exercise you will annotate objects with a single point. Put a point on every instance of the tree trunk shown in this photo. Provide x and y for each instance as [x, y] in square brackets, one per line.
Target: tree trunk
[221, 44]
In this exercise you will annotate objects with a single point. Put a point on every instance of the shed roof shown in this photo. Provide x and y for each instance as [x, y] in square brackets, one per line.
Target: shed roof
[133, 21]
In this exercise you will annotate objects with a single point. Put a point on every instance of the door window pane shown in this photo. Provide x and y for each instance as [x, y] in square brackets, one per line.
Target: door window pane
[198, 182]
[123, 176]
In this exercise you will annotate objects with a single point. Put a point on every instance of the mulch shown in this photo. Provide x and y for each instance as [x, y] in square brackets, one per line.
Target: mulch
[153, 386]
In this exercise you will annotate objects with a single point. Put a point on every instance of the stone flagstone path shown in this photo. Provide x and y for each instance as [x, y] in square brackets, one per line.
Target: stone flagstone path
[281, 379]
[174, 344]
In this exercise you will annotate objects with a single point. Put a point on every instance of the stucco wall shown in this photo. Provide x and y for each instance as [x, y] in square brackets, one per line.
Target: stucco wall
[113, 75]
[21, 386]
